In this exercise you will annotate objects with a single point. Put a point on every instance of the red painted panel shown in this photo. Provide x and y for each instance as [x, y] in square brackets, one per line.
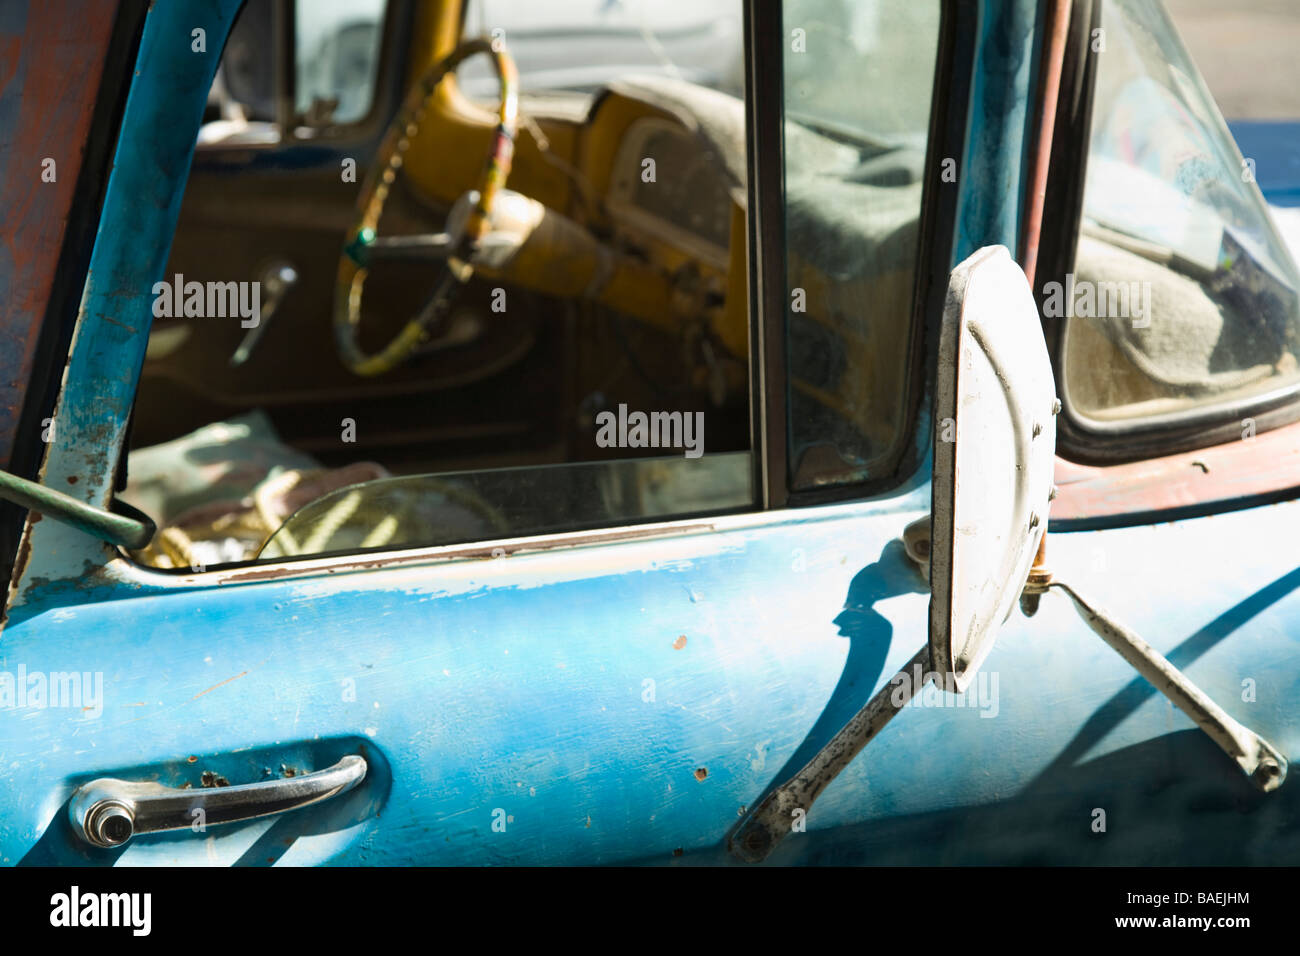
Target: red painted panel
[51, 59]
[1263, 464]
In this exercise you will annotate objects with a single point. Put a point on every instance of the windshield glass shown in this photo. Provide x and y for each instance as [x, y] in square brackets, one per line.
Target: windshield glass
[1183, 294]
[581, 45]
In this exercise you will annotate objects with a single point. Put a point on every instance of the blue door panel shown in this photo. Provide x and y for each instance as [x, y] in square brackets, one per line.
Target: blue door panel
[514, 692]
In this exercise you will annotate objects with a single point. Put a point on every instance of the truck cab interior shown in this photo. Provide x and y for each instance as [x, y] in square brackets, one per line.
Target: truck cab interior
[480, 232]
[453, 394]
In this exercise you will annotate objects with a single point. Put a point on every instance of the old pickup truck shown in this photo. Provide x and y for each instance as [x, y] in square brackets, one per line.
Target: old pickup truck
[495, 432]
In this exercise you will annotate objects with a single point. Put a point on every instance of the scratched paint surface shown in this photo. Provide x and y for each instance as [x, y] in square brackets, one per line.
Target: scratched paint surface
[520, 685]
[1239, 472]
[141, 206]
[622, 702]
[998, 117]
[45, 112]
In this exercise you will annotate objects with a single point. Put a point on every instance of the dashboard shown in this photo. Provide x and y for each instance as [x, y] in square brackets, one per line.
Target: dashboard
[672, 185]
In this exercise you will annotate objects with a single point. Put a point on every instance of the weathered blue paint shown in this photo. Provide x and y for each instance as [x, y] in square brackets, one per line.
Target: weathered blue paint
[991, 176]
[520, 685]
[623, 701]
[993, 170]
[141, 206]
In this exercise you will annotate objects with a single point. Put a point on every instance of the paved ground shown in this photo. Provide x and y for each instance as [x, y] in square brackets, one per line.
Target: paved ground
[1248, 51]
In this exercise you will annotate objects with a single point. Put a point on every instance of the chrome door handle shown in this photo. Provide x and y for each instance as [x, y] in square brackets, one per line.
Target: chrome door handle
[108, 812]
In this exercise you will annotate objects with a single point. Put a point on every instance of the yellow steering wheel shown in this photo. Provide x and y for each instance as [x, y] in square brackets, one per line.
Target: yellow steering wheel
[454, 248]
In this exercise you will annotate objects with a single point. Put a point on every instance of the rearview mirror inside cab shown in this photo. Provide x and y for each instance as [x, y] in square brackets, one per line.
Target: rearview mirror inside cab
[994, 447]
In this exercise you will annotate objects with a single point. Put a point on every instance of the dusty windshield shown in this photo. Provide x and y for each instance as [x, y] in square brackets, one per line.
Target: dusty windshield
[581, 45]
[1183, 293]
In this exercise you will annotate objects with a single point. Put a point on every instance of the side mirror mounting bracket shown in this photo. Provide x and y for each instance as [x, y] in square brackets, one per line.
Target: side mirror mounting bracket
[1257, 758]
[982, 545]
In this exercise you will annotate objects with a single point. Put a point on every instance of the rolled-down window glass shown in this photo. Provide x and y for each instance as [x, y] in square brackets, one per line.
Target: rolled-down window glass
[859, 81]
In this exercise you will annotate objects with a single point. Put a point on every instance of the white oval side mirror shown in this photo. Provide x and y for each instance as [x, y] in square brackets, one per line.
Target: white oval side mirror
[994, 448]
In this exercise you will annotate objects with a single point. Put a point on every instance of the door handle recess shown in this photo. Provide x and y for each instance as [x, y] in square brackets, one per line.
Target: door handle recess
[108, 812]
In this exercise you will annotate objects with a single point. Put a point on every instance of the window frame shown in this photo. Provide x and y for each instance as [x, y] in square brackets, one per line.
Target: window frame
[770, 438]
[769, 293]
[1078, 438]
[398, 23]
[57, 323]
